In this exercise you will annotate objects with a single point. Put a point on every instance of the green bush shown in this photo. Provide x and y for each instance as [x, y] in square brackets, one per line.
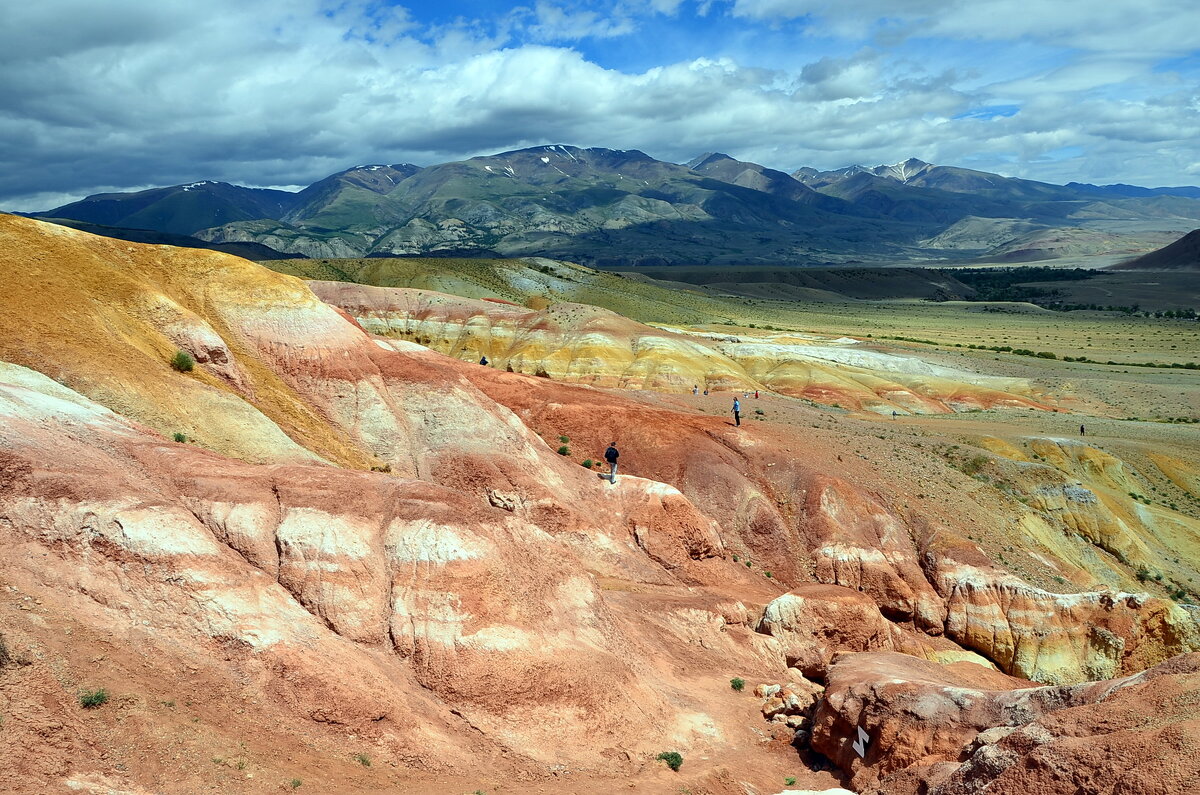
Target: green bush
[587, 463]
[183, 361]
[363, 760]
[674, 759]
[975, 464]
[90, 699]
[564, 439]
[564, 450]
[737, 683]
[179, 437]
[789, 781]
[295, 783]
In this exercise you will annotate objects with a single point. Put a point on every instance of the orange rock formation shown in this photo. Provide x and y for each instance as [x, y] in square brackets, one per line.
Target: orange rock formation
[479, 610]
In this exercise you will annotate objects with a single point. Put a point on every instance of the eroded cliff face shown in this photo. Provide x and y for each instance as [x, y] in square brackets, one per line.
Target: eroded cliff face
[960, 729]
[484, 601]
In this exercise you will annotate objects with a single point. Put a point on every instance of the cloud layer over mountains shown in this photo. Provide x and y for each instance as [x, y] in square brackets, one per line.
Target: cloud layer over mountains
[131, 93]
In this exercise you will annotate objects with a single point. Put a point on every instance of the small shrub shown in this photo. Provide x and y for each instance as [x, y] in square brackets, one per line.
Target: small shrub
[179, 437]
[564, 439]
[587, 463]
[295, 783]
[737, 683]
[759, 411]
[5, 657]
[363, 760]
[768, 574]
[183, 361]
[789, 781]
[975, 464]
[674, 759]
[564, 450]
[91, 699]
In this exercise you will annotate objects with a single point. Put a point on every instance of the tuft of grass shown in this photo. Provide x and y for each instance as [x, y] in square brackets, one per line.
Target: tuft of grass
[91, 699]
[183, 361]
[295, 783]
[674, 759]
[564, 450]
[587, 463]
[5, 657]
[737, 683]
[179, 437]
[789, 781]
[363, 760]
[564, 439]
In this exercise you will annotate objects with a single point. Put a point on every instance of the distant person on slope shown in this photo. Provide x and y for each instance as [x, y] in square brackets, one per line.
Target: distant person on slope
[695, 389]
[610, 455]
[1082, 431]
[737, 412]
[484, 361]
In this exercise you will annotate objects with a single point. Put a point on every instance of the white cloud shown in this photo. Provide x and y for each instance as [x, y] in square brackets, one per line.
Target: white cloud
[1152, 27]
[287, 91]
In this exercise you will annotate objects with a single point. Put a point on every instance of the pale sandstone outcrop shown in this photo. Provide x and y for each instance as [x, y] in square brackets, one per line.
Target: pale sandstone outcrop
[588, 345]
[813, 623]
[1049, 637]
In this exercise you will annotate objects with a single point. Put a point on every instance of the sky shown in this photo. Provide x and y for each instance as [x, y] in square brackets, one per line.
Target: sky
[100, 95]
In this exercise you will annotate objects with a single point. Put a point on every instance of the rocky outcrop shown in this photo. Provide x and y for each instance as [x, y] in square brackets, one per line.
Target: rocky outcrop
[1048, 637]
[813, 623]
[959, 729]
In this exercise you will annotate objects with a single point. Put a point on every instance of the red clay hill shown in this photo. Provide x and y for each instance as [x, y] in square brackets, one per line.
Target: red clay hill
[325, 561]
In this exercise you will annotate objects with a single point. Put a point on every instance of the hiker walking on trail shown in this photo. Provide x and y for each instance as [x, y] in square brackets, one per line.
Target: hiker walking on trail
[610, 455]
[1082, 431]
[695, 389]
[737, 412]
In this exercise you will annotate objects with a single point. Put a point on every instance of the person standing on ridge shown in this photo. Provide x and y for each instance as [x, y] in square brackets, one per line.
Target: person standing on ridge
[737, 412]
[610, 455]
[483, 360]
[1082, 431]
[695, 389]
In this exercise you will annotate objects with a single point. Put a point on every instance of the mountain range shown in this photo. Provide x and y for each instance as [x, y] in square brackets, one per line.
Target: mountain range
[615, 208]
